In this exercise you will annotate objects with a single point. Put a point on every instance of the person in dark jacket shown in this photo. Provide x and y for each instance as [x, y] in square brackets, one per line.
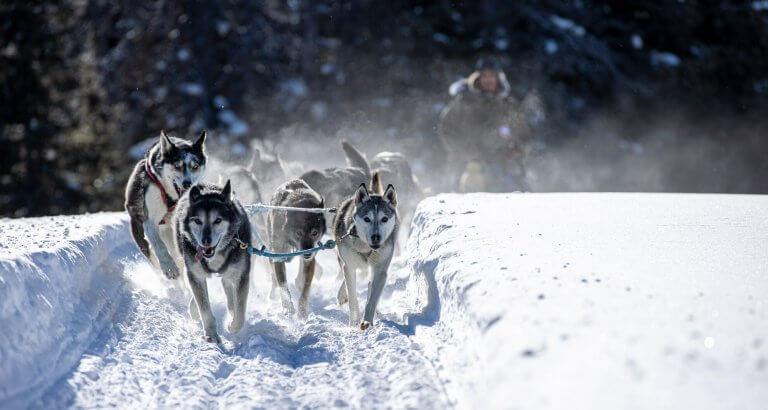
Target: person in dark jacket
[486, 133]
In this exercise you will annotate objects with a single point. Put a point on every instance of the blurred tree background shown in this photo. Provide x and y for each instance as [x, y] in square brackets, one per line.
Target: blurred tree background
[84, 81]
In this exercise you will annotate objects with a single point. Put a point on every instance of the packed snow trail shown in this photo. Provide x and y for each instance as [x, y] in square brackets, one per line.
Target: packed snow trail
[528, 301]
[155, 356]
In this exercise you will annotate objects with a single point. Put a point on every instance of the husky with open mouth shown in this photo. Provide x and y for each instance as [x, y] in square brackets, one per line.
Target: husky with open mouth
[209, 228]
[170, 167]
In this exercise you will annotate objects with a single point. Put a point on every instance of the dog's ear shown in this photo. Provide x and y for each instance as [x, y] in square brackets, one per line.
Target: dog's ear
[390, 195]
[194, 193]
[199, 143]
[166, 145]
[361, 194]
[227, 191]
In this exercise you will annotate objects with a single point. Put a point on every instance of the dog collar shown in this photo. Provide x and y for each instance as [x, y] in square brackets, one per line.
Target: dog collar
[169, 203]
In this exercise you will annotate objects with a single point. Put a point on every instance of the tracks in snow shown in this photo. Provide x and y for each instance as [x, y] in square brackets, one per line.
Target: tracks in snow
[153, 354]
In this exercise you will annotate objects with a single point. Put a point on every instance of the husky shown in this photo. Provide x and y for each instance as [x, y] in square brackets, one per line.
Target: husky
[270, 170]
[337, 184]
[170, 167]
[244, 180]
[209, 226]
[289, 231]
[393, 167]
[365, 228]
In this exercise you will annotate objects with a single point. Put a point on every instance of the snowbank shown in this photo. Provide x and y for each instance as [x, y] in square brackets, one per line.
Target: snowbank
[60, 283]
[594, 300]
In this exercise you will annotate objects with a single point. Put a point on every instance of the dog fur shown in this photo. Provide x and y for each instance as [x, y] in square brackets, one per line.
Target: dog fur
[289, 231]
[207, 224]
[365, 228]
[177, 164]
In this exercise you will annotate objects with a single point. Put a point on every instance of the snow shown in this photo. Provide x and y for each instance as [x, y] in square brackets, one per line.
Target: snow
[664, 58]
[60, 283]
[546, 301]
[567, 25]
[550, 46]
[761, 5]
[596, 301]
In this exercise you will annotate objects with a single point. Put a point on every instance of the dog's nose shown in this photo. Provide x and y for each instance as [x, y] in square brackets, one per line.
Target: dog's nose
[186, 184]
[375, 238]
[206, 241]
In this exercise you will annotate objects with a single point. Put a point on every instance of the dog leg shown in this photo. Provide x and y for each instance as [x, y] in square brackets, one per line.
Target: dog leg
[194, 313]
[354, 309]
[285, 294]
[137, 231]
[200, 291]
[164, 259]
[307, 271]
[240, 295]
[341, 296]
[229, 292]
[374, 293]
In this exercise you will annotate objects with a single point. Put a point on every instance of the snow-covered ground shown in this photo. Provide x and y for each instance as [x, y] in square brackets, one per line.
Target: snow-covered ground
[501, 301]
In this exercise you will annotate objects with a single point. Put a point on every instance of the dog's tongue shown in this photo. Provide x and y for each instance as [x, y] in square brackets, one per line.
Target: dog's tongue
[199, 254]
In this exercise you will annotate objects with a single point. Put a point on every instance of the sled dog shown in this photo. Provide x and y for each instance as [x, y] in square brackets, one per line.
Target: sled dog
[365, 228]
[290, 231]
[170, 167]
[209, 226]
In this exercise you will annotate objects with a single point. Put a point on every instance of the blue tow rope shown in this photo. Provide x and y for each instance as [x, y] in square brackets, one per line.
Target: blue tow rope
[285, 257]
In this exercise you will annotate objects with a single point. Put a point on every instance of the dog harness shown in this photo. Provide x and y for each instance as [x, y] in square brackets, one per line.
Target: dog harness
[169, 203]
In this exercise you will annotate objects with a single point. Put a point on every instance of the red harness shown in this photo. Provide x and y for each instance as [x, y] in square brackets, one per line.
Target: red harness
[169, 203]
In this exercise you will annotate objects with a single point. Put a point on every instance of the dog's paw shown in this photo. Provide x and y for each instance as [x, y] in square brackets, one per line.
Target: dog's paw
[342, 297]
[288, 308]
[213, 338]
[235, 325]
[364, 325]
[303, 312]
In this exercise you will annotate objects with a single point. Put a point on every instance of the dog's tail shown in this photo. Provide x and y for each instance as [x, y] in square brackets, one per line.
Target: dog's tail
[355, 158]
[376, 186]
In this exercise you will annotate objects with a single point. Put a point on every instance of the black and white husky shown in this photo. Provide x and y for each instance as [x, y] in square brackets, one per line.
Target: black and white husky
[209, 226]
[171, 166]
[365, 228]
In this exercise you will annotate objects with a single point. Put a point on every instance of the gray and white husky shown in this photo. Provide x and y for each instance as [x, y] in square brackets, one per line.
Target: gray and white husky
[338, 183]
[394, 168]
[291, 231]
[209, 226]
[170, 167]
[365, 228]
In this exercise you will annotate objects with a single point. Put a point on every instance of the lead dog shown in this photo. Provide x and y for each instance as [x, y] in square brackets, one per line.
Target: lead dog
[209, 225]
[170, 167]
[365, 228]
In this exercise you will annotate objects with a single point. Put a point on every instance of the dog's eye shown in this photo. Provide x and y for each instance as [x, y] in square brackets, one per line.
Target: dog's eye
[194, 165]
[314, 232]
[197, 221]
[177, 165]
[217, 221]
[367, 219]
[384, 219]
